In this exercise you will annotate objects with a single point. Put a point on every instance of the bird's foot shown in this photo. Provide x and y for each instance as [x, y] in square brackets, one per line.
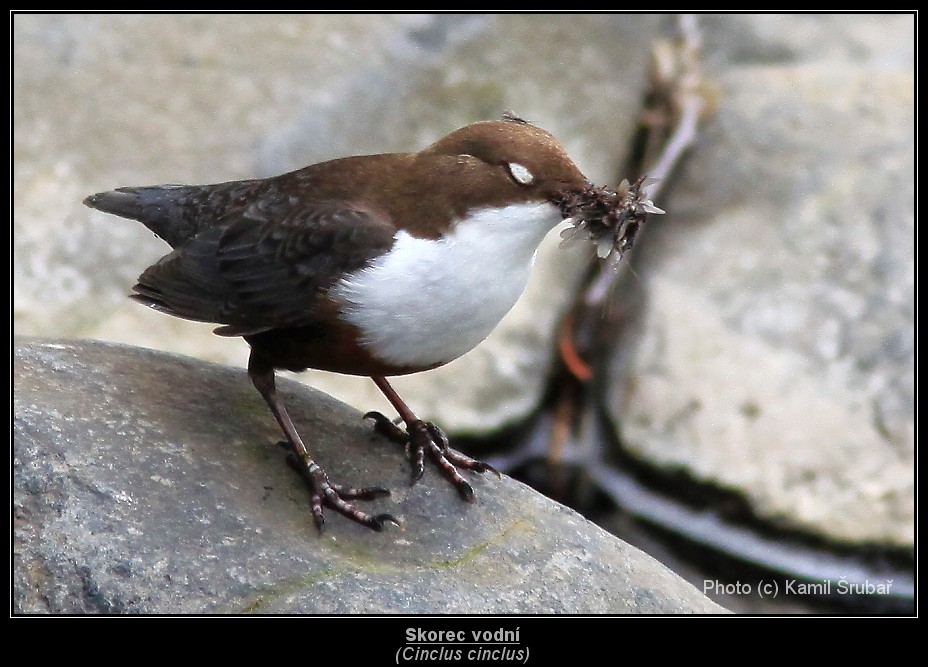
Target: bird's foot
[421, 437]
[336, 496]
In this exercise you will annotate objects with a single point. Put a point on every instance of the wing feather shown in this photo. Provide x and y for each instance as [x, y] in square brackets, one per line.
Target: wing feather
[264, 267]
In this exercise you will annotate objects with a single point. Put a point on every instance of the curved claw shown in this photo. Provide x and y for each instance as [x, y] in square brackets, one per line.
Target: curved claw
[318, 519]
[464, 461]
[417, 461]
[465, 490]
[427, 437]
[377, 522]
[387, 428]
[421, 438]
[486, 467]
[334, 496]
[375, 415]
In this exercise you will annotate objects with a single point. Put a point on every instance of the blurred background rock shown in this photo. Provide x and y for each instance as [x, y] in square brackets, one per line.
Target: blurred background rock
[773, 355]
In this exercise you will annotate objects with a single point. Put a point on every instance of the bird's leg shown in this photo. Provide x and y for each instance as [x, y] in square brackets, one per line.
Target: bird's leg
[323, 491]
[421, 437]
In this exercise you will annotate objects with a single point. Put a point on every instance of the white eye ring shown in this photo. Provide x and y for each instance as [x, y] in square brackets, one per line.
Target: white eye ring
[520, 173]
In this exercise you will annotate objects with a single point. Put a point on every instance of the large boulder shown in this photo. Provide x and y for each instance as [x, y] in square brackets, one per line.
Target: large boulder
[151, 483]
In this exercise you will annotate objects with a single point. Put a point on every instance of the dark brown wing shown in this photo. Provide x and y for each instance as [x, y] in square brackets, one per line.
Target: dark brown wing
[263, 267]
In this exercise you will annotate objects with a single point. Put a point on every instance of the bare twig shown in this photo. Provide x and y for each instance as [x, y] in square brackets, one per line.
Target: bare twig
[668, 126]
[667, 129]
[679, 103]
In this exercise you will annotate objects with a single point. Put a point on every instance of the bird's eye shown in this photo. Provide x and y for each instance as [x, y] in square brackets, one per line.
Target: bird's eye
[520, 173]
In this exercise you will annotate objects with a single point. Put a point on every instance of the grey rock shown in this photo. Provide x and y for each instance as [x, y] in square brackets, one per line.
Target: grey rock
[104, 101]
[775, 353]
[150, 483]
[786, 39]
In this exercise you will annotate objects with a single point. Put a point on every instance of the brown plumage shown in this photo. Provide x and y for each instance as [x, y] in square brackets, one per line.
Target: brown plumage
[290, 262]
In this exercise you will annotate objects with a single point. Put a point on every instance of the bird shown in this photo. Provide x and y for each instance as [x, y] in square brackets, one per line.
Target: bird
[374, 265]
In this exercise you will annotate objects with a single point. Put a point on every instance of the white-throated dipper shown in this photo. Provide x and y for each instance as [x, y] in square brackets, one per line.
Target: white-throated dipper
[375, 265]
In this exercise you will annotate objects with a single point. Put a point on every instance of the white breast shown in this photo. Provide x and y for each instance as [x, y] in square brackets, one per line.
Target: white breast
[427, 302]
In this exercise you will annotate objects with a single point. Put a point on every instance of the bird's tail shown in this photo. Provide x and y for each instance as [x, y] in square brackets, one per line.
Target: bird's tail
[158, 207]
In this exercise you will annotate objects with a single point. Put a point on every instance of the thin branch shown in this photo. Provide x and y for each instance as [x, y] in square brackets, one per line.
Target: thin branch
[679, 98]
